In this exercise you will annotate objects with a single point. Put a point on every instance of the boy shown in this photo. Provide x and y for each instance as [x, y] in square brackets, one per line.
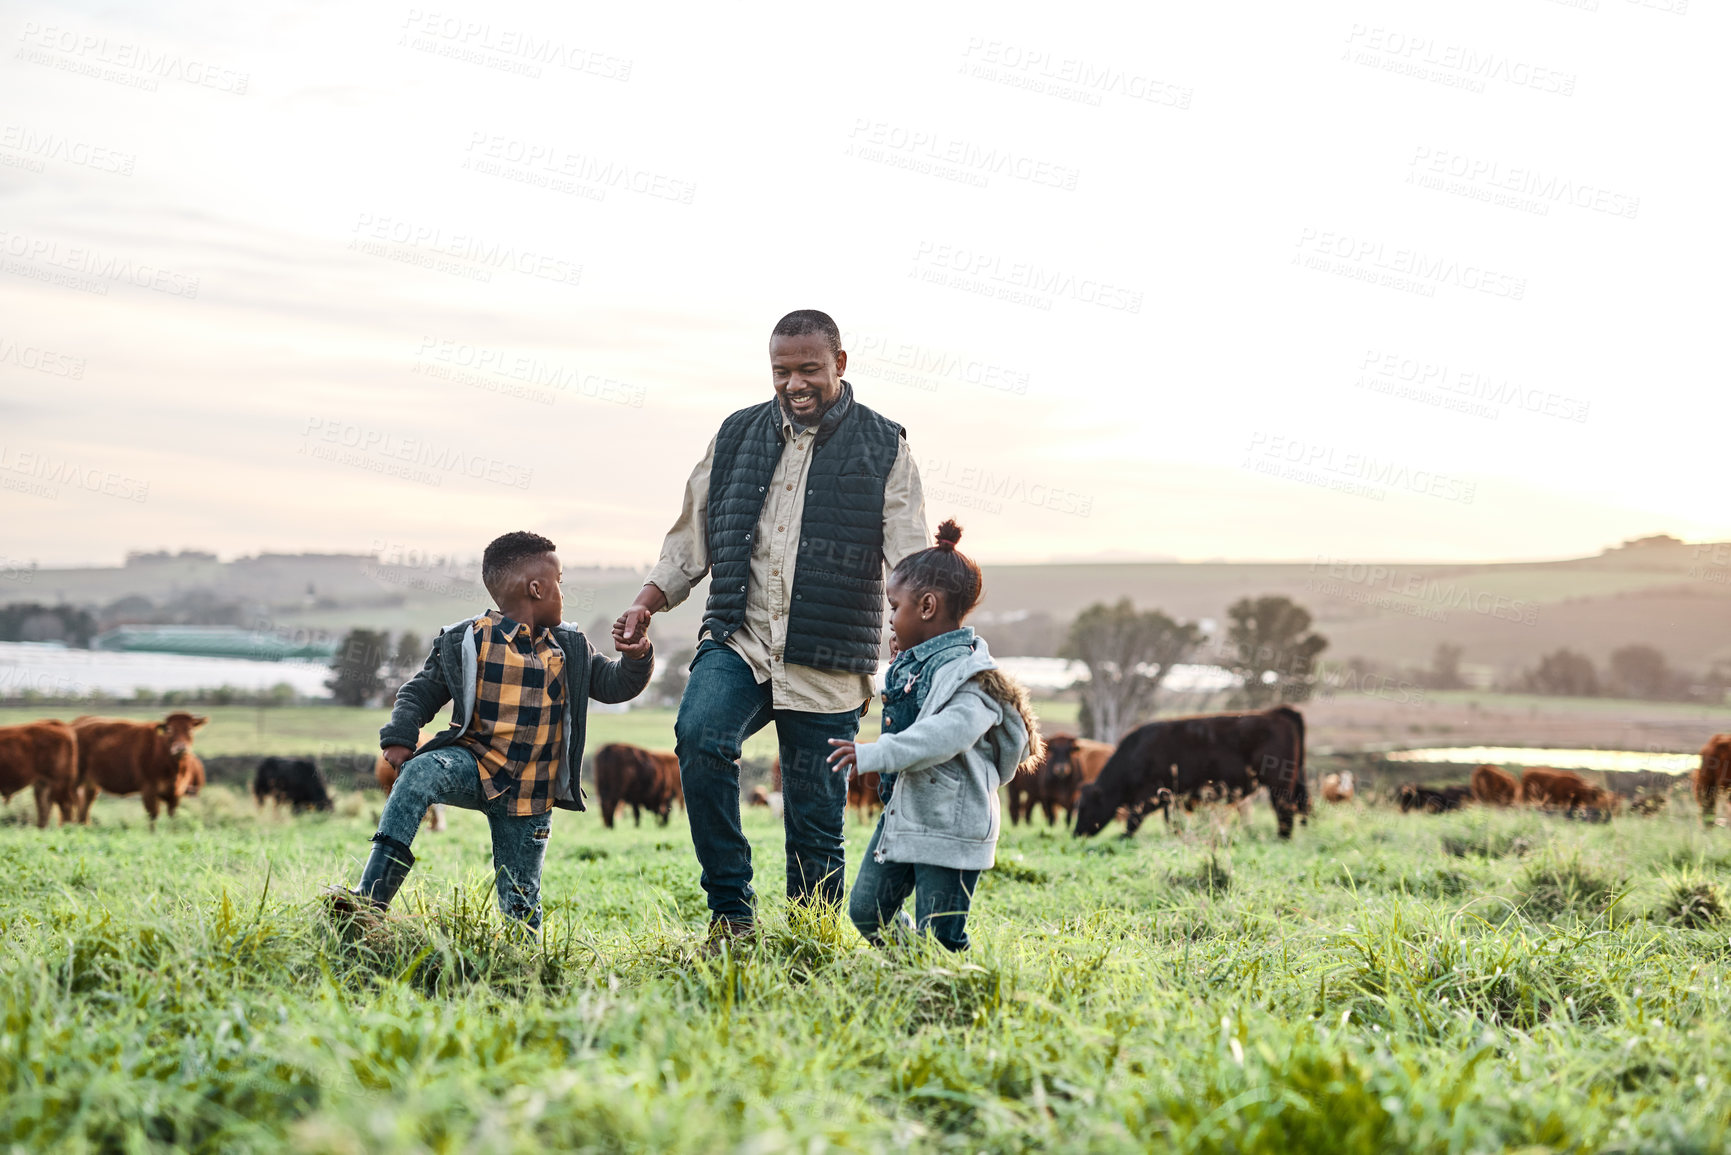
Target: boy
[519, 682]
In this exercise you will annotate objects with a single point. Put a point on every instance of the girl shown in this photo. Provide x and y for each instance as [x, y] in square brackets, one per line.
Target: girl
[955, 728]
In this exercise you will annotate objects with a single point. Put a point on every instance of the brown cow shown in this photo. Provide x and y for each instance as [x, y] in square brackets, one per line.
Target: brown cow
[1713, 775]
[387, 777]
[123, 756]
[1338, 787]
[44, 756]
[1542, 786]
[632, 776]
[1495, 786]
[1070, 763]
[862, 794]
[667, 762]
[190, 773]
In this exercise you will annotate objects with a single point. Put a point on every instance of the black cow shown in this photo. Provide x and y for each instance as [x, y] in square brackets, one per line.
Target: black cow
[1232, 753]
[296, 781]
[1432, 800]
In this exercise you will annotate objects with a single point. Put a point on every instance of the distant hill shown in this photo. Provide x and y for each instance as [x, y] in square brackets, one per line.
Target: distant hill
[1657, 591]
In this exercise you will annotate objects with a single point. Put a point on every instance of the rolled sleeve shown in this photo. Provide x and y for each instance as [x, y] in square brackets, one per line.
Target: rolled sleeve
[685, 551]
[904, 509]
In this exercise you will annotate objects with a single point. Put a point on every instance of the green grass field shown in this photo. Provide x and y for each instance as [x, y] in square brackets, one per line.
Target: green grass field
[1473, 982]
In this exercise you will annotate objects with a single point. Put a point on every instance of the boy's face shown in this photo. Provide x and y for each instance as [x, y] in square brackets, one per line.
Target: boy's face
[807, 375]
[541, 578]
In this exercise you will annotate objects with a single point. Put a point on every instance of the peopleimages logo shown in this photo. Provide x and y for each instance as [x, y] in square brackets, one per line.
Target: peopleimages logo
[1365, 258]
[34, 357]
[1297, 459]
[411, 458]
[1021, 282]
[39, 254]
[1405, 591]
[27, 466]
[468, 255]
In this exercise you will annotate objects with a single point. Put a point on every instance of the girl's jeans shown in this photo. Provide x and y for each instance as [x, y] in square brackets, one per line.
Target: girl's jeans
[451, 776]
[941, 896]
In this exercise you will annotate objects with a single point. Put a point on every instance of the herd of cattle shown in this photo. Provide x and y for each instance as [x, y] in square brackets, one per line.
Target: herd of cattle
[68, 764]
[1230, 758]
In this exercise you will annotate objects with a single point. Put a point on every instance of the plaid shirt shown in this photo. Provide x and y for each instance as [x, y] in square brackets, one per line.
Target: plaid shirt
[519, 723]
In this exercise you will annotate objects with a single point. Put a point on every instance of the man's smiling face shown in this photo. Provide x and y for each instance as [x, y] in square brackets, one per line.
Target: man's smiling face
[807, 375]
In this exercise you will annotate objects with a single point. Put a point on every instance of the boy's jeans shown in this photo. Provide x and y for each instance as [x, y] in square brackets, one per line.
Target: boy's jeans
[451, 775]
[723, 706]
[941, 896]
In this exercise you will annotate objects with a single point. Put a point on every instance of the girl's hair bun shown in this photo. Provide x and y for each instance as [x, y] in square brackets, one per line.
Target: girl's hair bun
[949, 533]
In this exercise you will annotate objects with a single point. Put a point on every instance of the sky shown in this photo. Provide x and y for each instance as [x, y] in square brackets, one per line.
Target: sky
[1399, 280]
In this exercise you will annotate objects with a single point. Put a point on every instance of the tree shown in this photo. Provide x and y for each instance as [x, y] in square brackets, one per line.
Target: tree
[356, 678]
[1640, 672]
[1128, 655]
[1445, 668]
[669, 688]
[408, 659]
[30, 622]
[1564, 673]
[1273, 650]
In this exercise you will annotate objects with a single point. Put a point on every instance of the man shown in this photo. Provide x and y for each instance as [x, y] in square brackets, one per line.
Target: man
[793, 512]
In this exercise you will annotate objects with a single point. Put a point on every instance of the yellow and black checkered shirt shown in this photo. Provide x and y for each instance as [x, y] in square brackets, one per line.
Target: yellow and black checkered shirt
[518, 728]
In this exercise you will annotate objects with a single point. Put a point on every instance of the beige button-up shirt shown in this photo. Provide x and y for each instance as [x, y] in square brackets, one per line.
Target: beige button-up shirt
[774, 552]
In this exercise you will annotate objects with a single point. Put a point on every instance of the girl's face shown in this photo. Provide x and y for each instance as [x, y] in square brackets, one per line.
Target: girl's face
[914, 617]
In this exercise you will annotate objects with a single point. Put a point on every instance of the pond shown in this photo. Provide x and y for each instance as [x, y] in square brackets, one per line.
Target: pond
[58, 672]
[1622, 760]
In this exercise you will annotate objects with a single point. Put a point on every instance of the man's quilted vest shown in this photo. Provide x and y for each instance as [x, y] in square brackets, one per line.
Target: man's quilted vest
[836, 620]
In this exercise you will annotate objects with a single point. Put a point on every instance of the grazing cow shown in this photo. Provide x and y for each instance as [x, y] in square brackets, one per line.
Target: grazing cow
[1432, 799]
[1338, 787]
[632, 776]
[123, 756]
[1494, 786]
[862, 794]
[667, 764]
[1234, 753]
[1070, 763]
[775, 799]
[192, 773]
[295, 781]
[1025, 790]
[387, 774]
[43, 756]
[1713, 775]
[759, 797]
[1565, 789]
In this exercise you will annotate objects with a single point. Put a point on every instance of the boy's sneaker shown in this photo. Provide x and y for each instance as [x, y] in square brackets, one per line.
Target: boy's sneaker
[728, 932]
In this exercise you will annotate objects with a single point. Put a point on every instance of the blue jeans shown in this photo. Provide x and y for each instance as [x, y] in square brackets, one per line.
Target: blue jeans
[942, 895]
[723, 706]
[451, 776]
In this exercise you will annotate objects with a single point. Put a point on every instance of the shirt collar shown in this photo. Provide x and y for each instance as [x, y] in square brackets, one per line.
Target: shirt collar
[509, 625]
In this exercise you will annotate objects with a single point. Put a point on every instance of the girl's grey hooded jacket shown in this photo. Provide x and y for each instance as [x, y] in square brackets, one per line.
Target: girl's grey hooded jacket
[972, 733]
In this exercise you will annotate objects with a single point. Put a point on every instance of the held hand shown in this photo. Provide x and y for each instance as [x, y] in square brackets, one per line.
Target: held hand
[637, 650]
[631, 625]
[634, 622]
[397, 755]
[845, 756]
